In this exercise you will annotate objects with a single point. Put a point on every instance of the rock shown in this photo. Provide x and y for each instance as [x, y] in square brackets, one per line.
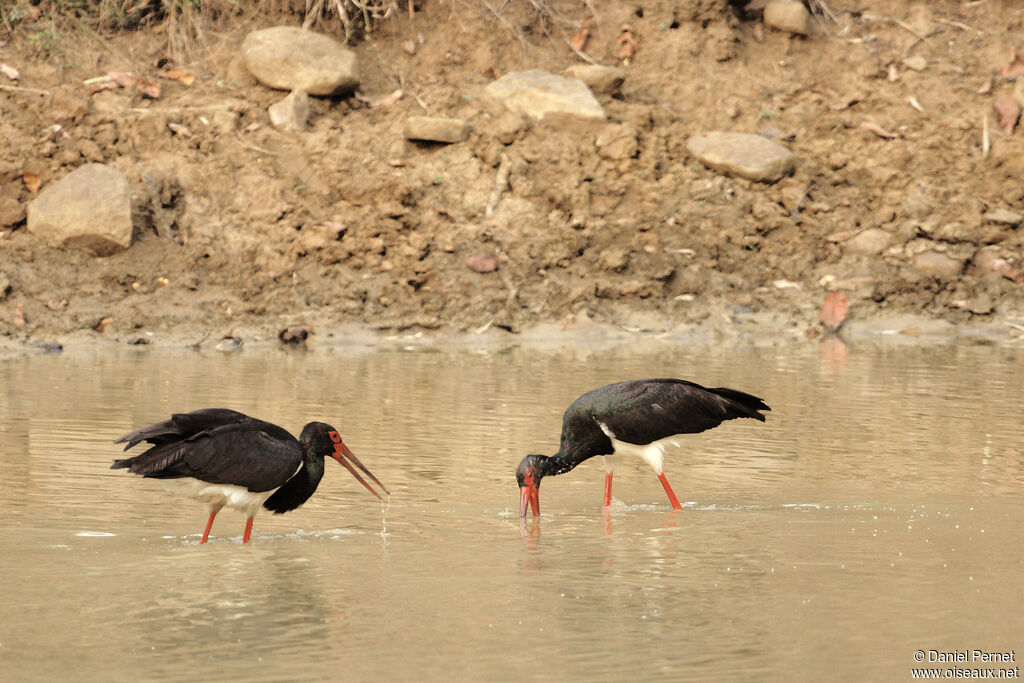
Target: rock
[614, 259]
[11, 212]
[742, 154]
[915, 62]
[618, 141]
[90, 208]
[539, 93]
[990, 261]
[508, 126]
[296, 334]
[436, 129]
[291, 113]
[981, 304]
[606, 80]
[483, 263]
[1003, 216]
[225, 121]
[938, 264]
[289, 58]
[869, 242]
[788, 15]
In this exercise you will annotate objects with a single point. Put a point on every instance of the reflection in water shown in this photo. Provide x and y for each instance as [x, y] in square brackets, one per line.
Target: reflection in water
[878, 511]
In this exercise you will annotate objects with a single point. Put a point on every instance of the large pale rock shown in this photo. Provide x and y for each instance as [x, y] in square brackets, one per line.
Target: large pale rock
[742, 154]
[606, 80]
[436, 129]
[291, 113]
[787, 15]
[289, 58]
[539, 94]
[90, 208]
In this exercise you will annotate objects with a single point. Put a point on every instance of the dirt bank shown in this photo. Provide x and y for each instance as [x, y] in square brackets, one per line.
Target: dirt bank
[242, 230]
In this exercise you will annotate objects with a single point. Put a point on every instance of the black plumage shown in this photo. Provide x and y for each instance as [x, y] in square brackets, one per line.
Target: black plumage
[637, 412]
[254, 463]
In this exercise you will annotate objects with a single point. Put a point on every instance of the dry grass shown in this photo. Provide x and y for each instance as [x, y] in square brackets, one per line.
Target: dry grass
[50, 24]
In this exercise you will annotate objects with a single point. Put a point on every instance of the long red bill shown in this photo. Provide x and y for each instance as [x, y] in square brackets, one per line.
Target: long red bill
[342, 454]
[529, 495]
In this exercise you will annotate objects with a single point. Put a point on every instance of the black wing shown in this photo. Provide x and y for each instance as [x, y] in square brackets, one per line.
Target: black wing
[641, 411]
[257, 455]
[183, 425]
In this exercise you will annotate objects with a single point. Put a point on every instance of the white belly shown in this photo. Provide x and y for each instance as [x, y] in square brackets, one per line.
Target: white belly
[217, 496]
[653, 453]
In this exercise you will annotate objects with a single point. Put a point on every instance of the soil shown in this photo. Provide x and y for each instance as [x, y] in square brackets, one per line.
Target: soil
[241, 230]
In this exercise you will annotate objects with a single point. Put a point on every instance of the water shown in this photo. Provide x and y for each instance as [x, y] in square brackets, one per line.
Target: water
[879, 511]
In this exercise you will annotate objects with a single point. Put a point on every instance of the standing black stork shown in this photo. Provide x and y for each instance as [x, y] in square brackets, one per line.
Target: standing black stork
[227, 459]
[635, 418]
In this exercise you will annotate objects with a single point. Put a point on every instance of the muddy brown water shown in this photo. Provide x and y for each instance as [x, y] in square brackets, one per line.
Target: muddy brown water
[878, 512]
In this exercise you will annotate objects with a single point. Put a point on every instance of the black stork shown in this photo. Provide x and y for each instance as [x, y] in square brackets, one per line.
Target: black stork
[224, 458]
[636, 418]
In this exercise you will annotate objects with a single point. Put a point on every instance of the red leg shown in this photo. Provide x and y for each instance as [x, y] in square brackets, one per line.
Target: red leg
[671, 494]
[608, 488]
[209, 525]
[248, 530]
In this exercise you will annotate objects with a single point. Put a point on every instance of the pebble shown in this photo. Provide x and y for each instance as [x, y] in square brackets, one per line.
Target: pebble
[618, 141]
[11, 212]
[788, 15]
[290, 58]
[291, 113]
[436, 129]
[742, 154]
[539, 94]
[605, 80]
[869, 242]
[90, 208]
[1004, 216]
[915, 62]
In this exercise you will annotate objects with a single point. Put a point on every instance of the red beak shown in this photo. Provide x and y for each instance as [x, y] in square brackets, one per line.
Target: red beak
[529, 495]
[342, 454]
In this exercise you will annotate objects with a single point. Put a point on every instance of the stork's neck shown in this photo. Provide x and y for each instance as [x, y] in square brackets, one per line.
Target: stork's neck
[561, 462]
[299, 488]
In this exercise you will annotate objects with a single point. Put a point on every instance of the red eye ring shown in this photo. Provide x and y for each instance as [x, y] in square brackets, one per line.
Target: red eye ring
[335, 436]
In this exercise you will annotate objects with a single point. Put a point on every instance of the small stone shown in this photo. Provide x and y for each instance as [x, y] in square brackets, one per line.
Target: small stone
[290, 58]
[869, 242]
[291, 113]
[915, 62]
[296, 334]
[508, 127]
[1004, 216]
[938, 264]
[409, 46]
[618, 141]
[11, 212]
[225, 121]
[614, 259]
[436, 129]
[483, 263]
[90, 208]
[539, 94]
[981, 304]
[606, 80]
[787, 15]
[742, 154]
